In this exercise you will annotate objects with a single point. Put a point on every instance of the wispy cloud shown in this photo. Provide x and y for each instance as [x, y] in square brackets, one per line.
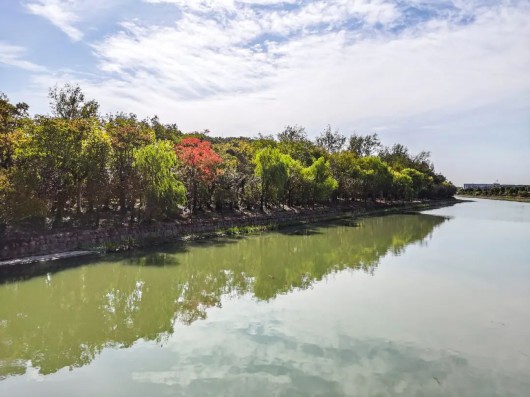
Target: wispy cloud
[14, 56]
[315, 62]
[212, 50]
[60, 13]
[69, 15]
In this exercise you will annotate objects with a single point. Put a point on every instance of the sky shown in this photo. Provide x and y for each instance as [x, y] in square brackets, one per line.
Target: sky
[451, 77]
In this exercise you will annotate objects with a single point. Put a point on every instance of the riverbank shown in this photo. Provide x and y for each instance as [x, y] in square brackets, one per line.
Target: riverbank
[502, 198]
[47, 247]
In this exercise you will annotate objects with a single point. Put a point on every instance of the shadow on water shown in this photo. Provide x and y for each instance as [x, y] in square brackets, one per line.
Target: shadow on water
[64, 314]
[158, 256]
[311, 229]
[10, 274]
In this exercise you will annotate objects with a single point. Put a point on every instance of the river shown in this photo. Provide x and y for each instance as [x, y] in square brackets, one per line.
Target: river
[422, 304]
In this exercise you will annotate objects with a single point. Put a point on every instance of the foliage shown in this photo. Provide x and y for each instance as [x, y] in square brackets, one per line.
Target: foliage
[69, 102]
[272, 167]
[402, 185]
[331, 141]
[11, 120]
[347, 172]
[51, 157]
[376, 178]
[200, 166]
[77, 168]
[126, 135]
[161, 191]
[293, 141]
[419, 181]
[319, 180]
[364, 146]
[165, 132]
[294, 133]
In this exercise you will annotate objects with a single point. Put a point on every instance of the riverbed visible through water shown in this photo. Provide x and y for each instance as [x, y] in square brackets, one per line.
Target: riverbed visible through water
[435, 303]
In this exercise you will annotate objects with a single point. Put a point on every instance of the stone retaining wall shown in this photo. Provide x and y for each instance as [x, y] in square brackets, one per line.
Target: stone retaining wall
[140, 235]
[14, 248]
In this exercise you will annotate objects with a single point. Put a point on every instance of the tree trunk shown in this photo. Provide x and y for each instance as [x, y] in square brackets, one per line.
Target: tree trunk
[59, 211]
[78, 197]
[123, 201]
[132, 210]
[262, 199]
[96, 224]
[194, 201]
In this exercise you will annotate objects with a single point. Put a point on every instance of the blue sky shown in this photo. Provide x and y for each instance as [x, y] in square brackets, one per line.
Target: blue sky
[451, 77]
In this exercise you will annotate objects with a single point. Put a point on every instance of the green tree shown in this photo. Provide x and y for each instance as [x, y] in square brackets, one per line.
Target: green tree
[294, 133]
[295, 181]
[397, 157]
[160, 190]
[364, 146]
[272, 167]
[402, 185]
[331, 141]
[167, 132]
[419, 180]
[345, 168]
[96, 156]
[293, 141]
[126, 135]
[11, 120]
[68, 102]
[319, 180]
[376, 179]
[51, 155]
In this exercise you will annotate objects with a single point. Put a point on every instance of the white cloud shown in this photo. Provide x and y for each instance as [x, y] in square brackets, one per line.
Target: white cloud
[14, 56]
[72, 16]
[219, 73]
[60, 13]
[207, 5]
[203, 55]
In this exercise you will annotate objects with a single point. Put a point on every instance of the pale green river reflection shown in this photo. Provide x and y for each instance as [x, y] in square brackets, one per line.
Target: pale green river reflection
[430, 304]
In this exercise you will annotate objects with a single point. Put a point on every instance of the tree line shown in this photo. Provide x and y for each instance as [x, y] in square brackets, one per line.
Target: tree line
[75, 167]
[498, 191]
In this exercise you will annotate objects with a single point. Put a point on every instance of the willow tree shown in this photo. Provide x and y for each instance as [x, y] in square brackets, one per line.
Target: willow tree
[345, 168]
[419, 181]
[375, 177]
[319, 180]
[401, 185]
[160, 190]
[272, 167]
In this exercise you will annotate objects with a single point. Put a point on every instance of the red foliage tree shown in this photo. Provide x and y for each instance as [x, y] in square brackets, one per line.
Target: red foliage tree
[200, 164]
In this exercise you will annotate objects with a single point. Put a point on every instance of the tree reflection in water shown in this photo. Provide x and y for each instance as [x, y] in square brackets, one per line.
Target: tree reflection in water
[66, 318]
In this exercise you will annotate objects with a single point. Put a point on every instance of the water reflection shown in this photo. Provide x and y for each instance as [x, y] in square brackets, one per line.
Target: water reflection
[271, 362]
[67, 318]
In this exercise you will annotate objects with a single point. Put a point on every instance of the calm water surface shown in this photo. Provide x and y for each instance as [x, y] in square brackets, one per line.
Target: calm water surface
[430, 304]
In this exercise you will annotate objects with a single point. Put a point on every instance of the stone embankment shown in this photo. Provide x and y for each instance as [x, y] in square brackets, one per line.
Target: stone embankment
[142, 235]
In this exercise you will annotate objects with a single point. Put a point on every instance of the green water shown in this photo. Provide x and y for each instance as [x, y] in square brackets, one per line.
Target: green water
[431, 304]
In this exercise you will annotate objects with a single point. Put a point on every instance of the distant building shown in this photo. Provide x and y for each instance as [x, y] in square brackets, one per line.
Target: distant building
[483, 186]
